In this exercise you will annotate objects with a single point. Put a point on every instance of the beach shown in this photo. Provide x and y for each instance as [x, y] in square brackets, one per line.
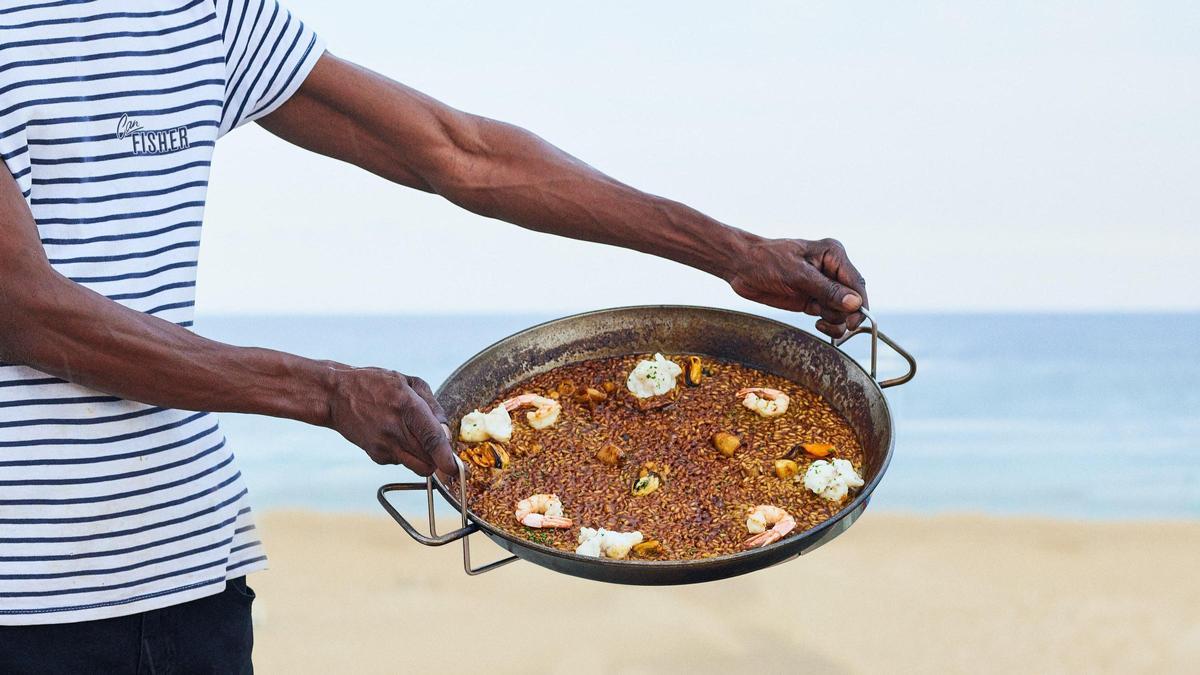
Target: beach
[1072, 444]
[896, 593]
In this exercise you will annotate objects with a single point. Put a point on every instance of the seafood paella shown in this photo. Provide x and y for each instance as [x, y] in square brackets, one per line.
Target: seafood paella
[653, 457]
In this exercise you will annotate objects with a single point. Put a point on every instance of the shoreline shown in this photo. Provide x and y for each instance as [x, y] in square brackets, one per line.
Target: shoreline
[896, 593]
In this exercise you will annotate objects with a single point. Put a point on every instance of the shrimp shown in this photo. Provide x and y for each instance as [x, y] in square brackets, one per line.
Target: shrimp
[765, 402]
[542, 510]
[544, 414]
[764, 515]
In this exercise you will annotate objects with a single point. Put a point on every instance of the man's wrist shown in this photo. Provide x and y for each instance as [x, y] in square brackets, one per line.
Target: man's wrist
[316, 391]
[728, 251]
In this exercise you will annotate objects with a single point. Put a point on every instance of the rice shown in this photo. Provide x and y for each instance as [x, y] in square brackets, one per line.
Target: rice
[700, 510]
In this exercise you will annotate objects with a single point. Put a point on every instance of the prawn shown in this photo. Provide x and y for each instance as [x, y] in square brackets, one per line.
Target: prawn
[544, 414]
[763, 515]
[766, 402]
[542, 510]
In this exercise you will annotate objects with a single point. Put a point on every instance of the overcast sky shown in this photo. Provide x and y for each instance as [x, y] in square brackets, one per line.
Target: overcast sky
[971, 156]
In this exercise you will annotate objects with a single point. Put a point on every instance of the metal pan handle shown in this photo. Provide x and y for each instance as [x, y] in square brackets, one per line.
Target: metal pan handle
[433, 538]
[878, 336]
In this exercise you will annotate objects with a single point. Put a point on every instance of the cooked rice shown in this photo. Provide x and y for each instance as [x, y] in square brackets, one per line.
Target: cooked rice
[700, 510]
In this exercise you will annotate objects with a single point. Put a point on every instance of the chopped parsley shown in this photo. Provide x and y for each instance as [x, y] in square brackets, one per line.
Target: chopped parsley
[537, 536]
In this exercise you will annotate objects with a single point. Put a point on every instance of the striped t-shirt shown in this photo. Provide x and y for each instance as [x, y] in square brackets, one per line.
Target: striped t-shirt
[109, 110]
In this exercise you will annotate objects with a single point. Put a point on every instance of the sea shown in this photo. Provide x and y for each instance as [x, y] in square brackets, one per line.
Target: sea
[1053, 415]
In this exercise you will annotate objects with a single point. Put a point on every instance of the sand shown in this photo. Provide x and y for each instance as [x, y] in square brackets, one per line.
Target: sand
[895, 594]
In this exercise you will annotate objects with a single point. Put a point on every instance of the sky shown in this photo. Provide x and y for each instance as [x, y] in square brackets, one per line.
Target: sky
[972, 156]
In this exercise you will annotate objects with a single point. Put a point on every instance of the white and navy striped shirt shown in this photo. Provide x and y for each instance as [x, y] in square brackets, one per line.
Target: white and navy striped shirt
[109, 111]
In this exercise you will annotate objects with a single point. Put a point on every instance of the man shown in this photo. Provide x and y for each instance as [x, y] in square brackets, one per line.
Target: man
[125, 533]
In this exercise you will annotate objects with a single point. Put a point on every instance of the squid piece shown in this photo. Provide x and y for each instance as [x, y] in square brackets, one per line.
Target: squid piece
[477, 426]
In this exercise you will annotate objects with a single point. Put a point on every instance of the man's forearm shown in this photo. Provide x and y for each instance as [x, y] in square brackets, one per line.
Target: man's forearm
[491, 168]
[68, 331]
[521, 179]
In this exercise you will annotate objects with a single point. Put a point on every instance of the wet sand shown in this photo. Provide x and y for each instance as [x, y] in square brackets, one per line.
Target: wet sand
[899, 594]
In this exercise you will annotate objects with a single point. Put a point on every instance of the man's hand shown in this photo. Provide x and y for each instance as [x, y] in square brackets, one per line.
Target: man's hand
[393, 417]
[814, 277]
[59, 327]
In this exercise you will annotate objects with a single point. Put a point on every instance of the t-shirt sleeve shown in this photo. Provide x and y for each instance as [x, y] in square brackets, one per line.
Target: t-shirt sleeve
[268, 53]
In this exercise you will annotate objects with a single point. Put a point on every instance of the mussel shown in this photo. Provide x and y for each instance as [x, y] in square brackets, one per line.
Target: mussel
[812, 449]
[648, 549]
[649, 479]
[487, 455]
[694, 371]
[645, 483]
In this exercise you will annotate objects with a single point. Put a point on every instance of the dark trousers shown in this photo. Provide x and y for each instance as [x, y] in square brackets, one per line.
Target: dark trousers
[209, 635]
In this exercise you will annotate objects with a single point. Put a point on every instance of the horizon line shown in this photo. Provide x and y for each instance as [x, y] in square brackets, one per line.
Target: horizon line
[768, 310]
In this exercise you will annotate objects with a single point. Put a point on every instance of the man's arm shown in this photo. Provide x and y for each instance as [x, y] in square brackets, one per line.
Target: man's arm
[57, 326]
[504, 172]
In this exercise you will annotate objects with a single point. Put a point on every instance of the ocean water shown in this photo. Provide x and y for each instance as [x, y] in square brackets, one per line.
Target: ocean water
[1079, 416]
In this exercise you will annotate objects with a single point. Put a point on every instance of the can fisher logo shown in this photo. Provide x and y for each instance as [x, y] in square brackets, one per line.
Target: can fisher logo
[151, 142]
